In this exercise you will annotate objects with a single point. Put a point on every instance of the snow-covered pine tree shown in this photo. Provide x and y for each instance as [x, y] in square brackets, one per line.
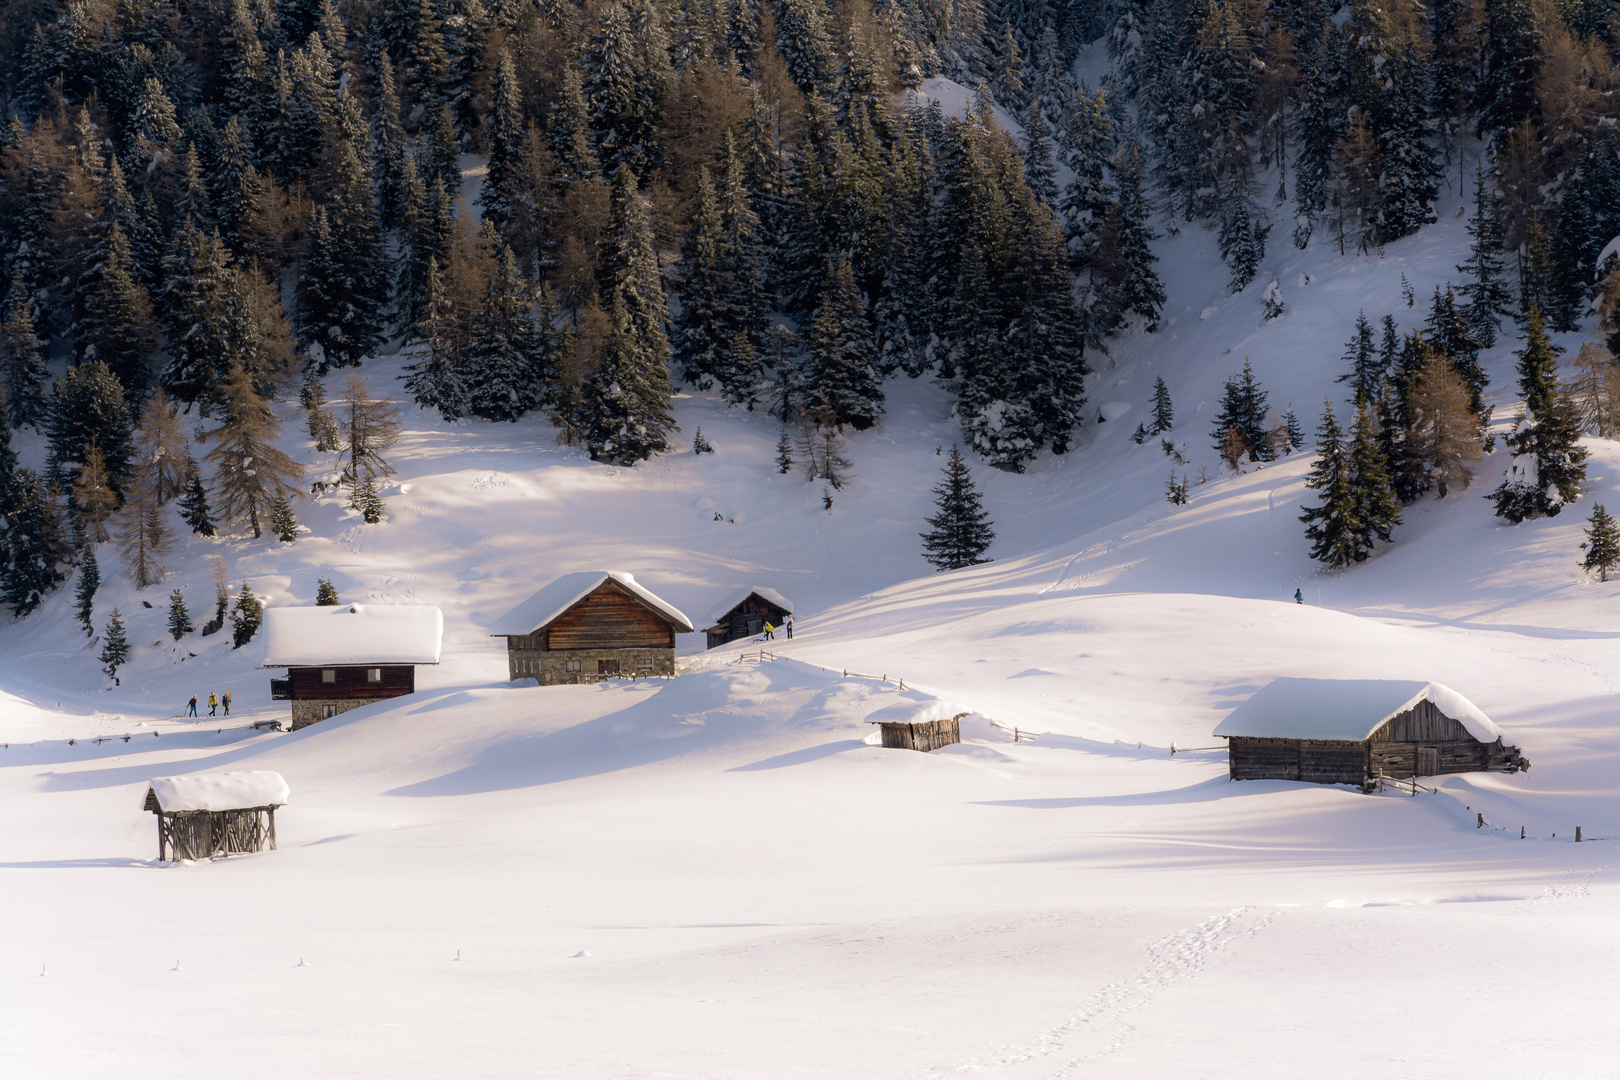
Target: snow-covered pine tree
[84, 596]
[436, 380]
[840, 372]
[1549, 464]
[1163, 414]
[960, 532]
[119, 328]
[114, 646]
[364, 500]
[35, 546]
[326, 594]
[194, 500]
[508, 367]
[623, 412]
[1448, 330]
[282, 520]
[1602, 543]
[1334, 527]
[502, 189]
[390, 147]
[1510, 58]
[1366, 367]
[784, 452]
[1487, 291]
[1142, 291]
[1040, 171]
[249, 467]
[343, 289]
[246, 617]
[700, 445]
[1409, 175]
[88, 408]
[179, 621]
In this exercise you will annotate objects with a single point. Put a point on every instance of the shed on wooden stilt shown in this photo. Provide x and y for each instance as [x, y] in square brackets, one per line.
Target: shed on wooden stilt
[211, 814]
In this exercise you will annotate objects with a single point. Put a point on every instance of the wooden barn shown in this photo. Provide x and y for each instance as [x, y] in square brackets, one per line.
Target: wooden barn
[920, 726]
[342, 657]
[591, 625]
[209, 814]
[1351, 731]
[745, 614]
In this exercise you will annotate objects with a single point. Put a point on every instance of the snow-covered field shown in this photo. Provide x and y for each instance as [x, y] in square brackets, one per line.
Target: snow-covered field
[719, 876]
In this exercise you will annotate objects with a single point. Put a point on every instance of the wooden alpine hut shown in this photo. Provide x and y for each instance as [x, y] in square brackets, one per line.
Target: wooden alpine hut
[925, 725]
[1351, 731]
[745, 614]
[591, 625]
[342, 657]
[208, 814]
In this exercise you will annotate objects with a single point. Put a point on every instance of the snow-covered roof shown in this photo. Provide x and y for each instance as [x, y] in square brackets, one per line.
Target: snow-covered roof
[352, 634]
[568, 590]
[1345, 709]
[742, 594]
[916, 710]
[219, 791]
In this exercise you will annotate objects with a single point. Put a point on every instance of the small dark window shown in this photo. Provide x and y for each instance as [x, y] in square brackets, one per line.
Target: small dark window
[328, 675]
[607, 667]
[373, 674]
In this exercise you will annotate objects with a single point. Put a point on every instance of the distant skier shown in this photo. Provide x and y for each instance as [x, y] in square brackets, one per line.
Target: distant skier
[1299, 596]
[226, 701]
[787, 624]
[770, 632]
[213, 704]
[191, 706]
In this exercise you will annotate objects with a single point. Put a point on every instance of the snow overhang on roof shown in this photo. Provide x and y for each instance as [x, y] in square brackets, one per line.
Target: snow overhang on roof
[219, 791]
[550, 602]
[742, 594]
[352, 634]
[1344, 710]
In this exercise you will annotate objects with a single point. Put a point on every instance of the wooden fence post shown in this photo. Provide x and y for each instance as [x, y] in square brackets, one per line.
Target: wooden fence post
[1577, 834]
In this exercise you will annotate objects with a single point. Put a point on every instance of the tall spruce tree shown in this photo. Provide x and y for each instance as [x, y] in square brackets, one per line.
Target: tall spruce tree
[247, 615]
[179, 621]
[960, 532]
[1488, 297]
[114, 646]
[1549, 464]
[1243, 414]
[88, 408]
[1163, 414]
[343, 291]
[84, 595]
[35, 547]
[22, 368]
[840, 372]
[1602, 543]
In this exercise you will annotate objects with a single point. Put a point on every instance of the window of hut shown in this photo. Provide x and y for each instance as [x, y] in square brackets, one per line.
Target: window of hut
[373, 674]
[329, 675]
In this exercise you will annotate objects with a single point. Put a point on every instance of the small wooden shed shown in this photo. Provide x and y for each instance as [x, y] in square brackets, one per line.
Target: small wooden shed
[588, 626]
[342, 657]
[924, 726]
[209, 814]
[745, 614]
[1351, 731]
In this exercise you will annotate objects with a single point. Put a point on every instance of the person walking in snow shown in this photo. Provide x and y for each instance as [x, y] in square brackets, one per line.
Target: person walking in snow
[213, 704]
[1299, 596]
[787, 624]
[191, 706]
[770, 631]
[226, 701]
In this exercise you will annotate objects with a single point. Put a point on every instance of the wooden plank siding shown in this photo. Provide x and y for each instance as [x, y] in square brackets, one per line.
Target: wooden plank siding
[610, 617]
[926, 736]
[745, 620]
[1423, 723]
[1315, 761]
[350, 683]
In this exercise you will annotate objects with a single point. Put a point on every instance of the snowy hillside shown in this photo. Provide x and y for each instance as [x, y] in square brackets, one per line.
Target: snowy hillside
[720, 876]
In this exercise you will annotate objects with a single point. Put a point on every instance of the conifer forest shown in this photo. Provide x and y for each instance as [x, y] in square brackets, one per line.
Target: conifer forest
[210, 205]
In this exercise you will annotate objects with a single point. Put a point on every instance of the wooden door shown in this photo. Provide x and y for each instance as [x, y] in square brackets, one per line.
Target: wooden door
[1428, 761]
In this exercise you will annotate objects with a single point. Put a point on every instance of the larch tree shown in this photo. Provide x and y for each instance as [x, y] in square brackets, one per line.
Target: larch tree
[369, 427]
[249, 467]
[144, 537]
[92, 496]
[960, 532]
[161, 446]
[1447, 432]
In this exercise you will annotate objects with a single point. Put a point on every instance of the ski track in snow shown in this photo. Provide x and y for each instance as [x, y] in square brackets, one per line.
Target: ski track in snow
[1102, 1025]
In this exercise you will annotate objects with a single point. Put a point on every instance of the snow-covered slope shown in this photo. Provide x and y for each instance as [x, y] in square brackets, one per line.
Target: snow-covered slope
[719, 876]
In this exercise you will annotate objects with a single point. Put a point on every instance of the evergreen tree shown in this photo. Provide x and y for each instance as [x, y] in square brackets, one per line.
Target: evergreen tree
[326, 594]
[1549, 464]
[388, 139]
[1143, 292]
[436, 381]
[120, 331]
[1409, 176]
[840, 373]
[246, 617]
[1378, 508]
[343, 291]
[249, 467]
[630, 81]
[22, 369]
[1163, 415]
[1243, 416]
[282, 521]
[114, 646]
[1448, 331]
[1340, 530]
[365, 500]
[179, 617]
[1040, 172]
[502, 189]
[723, 301]
[960, 533]
[510, 362]
[1602, 543]
[784, 453]
[88, 408]
[35, 548]
[1296, 437]
[1511, 54]
[802, 39]
[700, 445]
[222, 601]
[194, 500]
[1488, 298]
[1367, 367]
[85, 595]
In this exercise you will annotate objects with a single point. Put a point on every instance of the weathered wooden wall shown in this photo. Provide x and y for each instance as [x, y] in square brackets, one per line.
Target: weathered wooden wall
[203, 834]
[397, 680]
[1315, 761]
[1422, 723]
[925, 737]
[1406, 759]
[610, 618]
